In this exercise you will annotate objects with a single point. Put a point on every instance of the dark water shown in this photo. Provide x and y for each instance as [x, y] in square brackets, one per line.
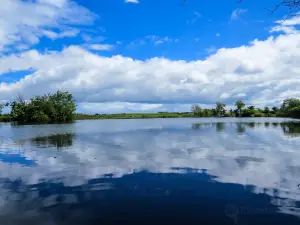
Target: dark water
[182, 171]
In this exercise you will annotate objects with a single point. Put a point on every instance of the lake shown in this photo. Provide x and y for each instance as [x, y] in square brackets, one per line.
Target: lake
[152, 171]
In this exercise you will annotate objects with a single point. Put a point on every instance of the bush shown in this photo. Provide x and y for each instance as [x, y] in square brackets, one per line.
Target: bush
[258, 114]
[5, 118]
[295, 112]
[58, 107]
[290, 108]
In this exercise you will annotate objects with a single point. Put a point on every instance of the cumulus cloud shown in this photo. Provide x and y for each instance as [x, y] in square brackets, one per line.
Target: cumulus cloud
[160, 40]
[153, 39]
[287, 26]
[262, 73]
[120, 107]
[25, 22]
[54, 35]
[132, 1]
[237, 13]
[101, 47]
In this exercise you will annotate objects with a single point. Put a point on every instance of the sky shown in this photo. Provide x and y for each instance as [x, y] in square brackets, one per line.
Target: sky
[149, 55]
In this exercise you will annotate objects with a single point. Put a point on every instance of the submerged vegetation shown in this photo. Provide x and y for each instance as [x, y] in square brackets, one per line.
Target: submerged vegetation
[61, 107]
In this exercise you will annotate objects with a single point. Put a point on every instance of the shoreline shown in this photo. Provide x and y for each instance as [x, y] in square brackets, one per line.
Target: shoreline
[129, 116]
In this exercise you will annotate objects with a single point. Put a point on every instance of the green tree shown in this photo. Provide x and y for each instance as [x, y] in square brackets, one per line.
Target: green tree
[267, 111]
[251, 107]
[239, 105]
[289, 104]
[208, 112]
[249, 112]
[196, 109]
[64, 106]
[231, 113]
[290, 108]
[274, 110]
[220, 109]
[18, 111]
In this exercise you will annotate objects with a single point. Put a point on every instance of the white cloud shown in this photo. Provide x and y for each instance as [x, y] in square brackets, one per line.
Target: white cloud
[218, 35]
[24, 22]
[118, 107]
[132, 1]
[153, 39]
[57, 3]
[86, 37]
[262, 73]
[287, 26]
[211, 49]
[237, 13]
[161, 40]
[101, 47]
[197, 16]
[54, 35]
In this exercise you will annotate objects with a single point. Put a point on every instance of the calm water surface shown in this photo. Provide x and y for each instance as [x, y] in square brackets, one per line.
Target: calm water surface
[184, 171]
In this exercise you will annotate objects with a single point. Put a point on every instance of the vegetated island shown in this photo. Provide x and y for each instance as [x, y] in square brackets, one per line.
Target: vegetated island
[60, 107]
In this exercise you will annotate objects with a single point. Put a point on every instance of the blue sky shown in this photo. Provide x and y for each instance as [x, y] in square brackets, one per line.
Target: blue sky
[198, 26]
[149, 55]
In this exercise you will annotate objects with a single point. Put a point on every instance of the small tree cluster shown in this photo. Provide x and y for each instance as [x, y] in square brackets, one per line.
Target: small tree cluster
[289, 108]
[58, 107]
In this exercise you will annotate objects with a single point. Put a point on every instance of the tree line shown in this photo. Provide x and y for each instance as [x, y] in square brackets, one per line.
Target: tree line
[289, 108]
[61, 107]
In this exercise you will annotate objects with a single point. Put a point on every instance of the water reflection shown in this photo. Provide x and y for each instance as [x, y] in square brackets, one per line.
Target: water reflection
[192, 197]
[56, 140]
[116, 171]
[291, 129]
[240, 128]
[220, 127]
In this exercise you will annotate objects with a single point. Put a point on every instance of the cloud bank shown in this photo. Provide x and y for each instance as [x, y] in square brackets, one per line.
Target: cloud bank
[264, 72]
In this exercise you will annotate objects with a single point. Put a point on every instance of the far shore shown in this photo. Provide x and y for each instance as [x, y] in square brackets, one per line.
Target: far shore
[159, 115]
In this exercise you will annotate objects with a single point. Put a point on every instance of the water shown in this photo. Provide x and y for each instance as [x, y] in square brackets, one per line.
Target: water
[184, 171]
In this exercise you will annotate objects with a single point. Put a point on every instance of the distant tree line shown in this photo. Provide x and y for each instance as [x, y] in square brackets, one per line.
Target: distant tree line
[289, 108]
[58, 107]
[61, 107]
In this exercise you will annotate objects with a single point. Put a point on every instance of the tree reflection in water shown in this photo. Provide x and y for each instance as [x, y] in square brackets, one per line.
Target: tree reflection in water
[56, 140]
[291, 129]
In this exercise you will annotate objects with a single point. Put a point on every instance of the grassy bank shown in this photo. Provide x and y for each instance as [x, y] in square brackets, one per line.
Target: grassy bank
[134, 115]
[7, 118]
